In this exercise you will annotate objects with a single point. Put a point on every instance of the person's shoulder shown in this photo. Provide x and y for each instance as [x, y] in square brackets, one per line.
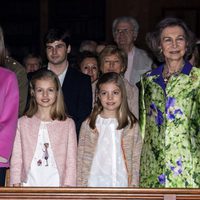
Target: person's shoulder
[142, 52]
[5, 70]
[24, 119]
[85, 123]
[29, 123]
[134, 129]
[7, 73]
[195, 73]
[78, 74]
[14, 65]
[68, 121]
[196, 69]
[85, 127]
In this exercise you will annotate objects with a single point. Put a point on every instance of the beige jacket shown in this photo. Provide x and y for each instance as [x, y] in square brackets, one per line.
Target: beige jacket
[131, 147]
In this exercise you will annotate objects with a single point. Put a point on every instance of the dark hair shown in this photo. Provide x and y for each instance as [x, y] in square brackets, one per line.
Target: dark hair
[58, 110]
[153, 38]
[195, 56]
[88, 45]
[86, 54]
[56, 34]
[32, 55]
[124, 115]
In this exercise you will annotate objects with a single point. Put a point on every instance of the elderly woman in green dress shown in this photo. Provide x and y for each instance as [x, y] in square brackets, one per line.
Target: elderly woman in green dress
[170, 110]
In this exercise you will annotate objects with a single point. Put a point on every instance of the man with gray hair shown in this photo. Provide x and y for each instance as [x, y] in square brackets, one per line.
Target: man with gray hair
[125, 31]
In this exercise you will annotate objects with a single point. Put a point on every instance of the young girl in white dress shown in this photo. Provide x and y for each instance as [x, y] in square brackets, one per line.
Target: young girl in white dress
[45, 147]
[109, 144]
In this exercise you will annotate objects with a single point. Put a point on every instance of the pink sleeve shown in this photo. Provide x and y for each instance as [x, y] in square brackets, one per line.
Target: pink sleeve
[9, 104]
[70, 179]
[16, 159]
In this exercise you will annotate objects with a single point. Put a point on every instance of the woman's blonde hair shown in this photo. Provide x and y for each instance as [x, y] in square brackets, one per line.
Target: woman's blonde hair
[124, 115]
[110, 50]
[58, 110]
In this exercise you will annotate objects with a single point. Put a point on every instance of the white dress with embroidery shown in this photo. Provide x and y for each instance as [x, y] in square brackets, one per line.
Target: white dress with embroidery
[43, 171]
[108, 166]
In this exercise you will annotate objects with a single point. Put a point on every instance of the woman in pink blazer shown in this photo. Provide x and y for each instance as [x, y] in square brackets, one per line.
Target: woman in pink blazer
[9, 103]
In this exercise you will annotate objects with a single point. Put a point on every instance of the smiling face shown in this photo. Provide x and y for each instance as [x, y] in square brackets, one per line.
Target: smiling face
[110, 97]
[57, 52]
[89, 67]
[45, 93]
[173, 43]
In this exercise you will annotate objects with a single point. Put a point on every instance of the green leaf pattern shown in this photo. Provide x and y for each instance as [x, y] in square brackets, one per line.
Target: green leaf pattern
[171, 151]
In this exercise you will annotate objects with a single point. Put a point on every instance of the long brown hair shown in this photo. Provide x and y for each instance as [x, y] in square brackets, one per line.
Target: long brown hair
[124, 115]
[58, 110]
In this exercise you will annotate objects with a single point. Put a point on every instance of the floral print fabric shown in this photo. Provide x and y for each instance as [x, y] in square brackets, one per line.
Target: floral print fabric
[170, 124]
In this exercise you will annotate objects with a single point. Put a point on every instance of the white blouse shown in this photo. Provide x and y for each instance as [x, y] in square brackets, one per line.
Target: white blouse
[43, 171]
[108, 166]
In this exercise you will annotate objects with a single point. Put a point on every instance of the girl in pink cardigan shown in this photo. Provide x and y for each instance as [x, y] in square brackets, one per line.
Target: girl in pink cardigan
[45, 147]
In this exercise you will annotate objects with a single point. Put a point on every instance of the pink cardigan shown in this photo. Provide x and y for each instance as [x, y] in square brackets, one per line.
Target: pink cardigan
[62, 136]
[9, 104]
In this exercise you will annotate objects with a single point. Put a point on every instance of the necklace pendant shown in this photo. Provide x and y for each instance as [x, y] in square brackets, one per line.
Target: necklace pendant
[39, 162]
[166, 78]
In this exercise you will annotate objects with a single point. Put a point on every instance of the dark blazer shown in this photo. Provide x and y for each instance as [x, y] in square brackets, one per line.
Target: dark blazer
[77, 93]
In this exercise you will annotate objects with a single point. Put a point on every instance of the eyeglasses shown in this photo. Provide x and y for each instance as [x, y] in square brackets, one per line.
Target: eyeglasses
[123, 31]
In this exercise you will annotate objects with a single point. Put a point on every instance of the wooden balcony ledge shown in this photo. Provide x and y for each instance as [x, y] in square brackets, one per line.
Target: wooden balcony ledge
[99, 193]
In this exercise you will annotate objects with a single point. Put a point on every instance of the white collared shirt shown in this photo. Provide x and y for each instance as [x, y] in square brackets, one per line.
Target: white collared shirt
[61, 76]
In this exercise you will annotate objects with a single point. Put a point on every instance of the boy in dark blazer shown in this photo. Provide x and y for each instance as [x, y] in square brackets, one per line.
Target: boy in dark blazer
[76, 86]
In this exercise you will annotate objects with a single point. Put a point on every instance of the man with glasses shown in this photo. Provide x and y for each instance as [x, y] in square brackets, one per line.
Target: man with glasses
[125, 32]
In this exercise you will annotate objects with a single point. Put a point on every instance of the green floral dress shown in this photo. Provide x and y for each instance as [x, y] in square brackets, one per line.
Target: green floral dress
[170, 126]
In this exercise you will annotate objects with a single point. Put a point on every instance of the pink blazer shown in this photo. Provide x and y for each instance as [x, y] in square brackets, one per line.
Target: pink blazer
[9, 104]
[63, 140]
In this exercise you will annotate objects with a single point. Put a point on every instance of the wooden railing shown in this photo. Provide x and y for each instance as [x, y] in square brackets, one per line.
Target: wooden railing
[99, 193]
